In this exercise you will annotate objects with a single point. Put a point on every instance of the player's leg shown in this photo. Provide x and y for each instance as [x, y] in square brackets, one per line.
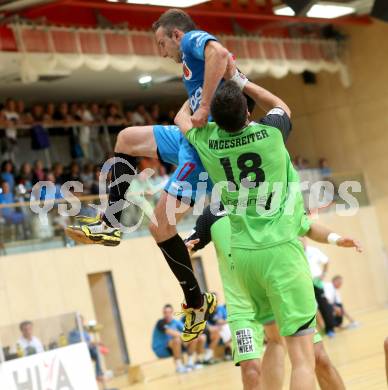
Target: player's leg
[247, 346]
[290, 290]
[273, 363]
[281, 273]
[301, 352]
[250, 374]
[131, 142]
[181, 192]
[327, 375]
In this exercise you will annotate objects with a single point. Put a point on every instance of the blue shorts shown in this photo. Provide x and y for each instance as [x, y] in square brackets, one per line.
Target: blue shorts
[163, 352]
[190, 180]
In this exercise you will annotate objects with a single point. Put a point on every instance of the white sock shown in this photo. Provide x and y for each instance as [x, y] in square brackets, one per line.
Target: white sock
[190, 360]
[208, 354]
[178, 363]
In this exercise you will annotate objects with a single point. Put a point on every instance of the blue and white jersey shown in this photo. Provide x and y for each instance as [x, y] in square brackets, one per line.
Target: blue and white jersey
[193, 46]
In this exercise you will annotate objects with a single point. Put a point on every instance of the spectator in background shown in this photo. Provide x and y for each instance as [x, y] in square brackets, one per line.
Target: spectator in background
[113, 115]
[166, 341]
[10, 215]
[323, 165]
[96, 147]
[87, 177]
[95, 188]
[76, 336]
[49, 112]
[37, 113]
[7, 174]
[155, 113]
[84, 131]
[58, 173]
[75, 172]
[333, 296]
[171, 117]
[38, 172]
[63, 113]
[25, 177]
[50, 192]
[74, 112]
[319, 264]
[29, 344]
[141, 117]
[12, 121]
[24, 116]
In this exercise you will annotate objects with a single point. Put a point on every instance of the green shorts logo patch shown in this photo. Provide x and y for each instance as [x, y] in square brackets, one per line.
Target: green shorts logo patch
[244, 341]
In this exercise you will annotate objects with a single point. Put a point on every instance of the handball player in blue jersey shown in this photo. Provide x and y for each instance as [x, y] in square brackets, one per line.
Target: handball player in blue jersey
[205, 61]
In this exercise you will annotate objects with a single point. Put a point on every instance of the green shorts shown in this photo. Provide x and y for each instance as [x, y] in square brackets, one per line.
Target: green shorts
[278, 282]
[247, 340]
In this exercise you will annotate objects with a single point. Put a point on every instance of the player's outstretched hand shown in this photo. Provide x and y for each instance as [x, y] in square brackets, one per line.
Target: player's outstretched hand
[200, 117]
[190, 245]
[347, 242]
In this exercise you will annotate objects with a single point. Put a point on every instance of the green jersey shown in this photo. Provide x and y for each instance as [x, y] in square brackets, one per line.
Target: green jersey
[258, 184]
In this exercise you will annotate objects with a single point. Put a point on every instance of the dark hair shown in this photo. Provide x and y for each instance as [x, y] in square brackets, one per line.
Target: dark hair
[336, 277]
[229, 107]
[24, 323]
[168, 306]
[174, 18]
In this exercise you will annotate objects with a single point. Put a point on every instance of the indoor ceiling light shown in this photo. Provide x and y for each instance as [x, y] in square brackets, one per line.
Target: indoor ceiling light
[284, 11]
[145, 79]
[168, 3]
[329, 10]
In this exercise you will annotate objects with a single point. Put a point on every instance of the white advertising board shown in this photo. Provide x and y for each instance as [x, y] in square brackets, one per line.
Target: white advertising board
[67, 368]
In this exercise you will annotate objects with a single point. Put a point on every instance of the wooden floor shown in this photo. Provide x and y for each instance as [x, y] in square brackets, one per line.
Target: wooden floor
[357, 353]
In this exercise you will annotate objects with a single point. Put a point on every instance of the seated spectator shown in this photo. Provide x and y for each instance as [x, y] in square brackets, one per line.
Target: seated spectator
[25, 177]
[38, 173]
[96, 146]
[84, 131]
[12, 120]
[58, 173]
[76, 336]
[74, 112]
[7, 174]
[323, 165]
[74, 174]
[10, 215]
[87, 177]
[54, 192]
[95, 188]
[29, 344]
[333, 296]
[166, 341]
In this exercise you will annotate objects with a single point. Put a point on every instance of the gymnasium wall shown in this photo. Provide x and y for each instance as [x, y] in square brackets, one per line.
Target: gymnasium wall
[48, 283]
[349, 126]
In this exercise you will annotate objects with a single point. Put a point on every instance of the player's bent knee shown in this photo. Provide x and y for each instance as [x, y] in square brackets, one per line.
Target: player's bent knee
[250, 373]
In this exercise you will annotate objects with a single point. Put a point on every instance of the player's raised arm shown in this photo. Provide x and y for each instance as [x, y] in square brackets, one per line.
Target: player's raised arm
[183, 118]
[216, 61]
[324, 235]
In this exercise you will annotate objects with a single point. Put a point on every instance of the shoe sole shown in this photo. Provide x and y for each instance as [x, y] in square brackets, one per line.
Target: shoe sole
[79, 236]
